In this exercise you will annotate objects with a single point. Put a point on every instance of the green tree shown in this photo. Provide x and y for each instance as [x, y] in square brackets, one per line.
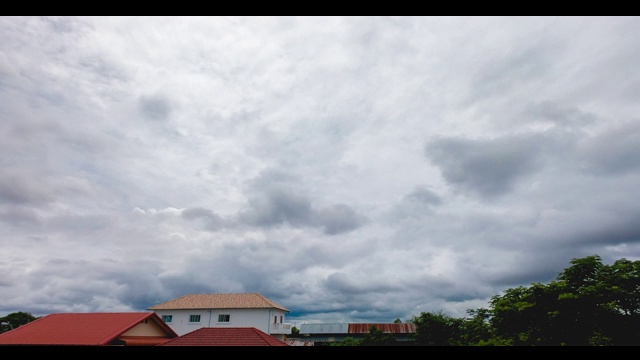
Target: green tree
[437, 329]
[376, 337]
[348, 341]
[15, 320]
[476, 330]
[295, 332]
[589, 303]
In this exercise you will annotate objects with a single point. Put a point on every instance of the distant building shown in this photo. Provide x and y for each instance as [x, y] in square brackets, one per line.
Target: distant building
[324, 333]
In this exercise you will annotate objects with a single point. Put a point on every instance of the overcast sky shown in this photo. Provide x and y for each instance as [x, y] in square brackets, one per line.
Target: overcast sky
[352, 169]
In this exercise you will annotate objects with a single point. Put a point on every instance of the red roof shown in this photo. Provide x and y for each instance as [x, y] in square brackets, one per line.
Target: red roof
[88, 329]
[225, 336]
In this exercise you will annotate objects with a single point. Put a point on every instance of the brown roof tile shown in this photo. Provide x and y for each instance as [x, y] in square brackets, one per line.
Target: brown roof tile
[219, 301]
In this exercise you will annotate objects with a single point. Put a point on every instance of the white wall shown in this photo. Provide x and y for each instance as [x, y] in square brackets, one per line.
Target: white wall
[260, 319]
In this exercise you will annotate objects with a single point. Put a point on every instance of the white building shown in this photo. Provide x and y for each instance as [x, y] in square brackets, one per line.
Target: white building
[191, 312]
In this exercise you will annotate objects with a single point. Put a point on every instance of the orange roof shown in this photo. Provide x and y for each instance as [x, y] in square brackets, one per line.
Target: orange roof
[225, 336]
[219, 301]
[85, 329]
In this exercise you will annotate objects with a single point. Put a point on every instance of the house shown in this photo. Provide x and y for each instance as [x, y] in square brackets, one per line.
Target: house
[226, 336]
[194, 311]
[332, 332]
[92, 329]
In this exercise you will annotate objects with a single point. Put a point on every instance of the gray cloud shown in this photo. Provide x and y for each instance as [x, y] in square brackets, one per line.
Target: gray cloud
[558, 115]
[614, 151]
[485, 167]
[278, 207]
[352, 169]
[338, 219]
[154, 107]
[278, 198]
[23, 189]
[211, 220]
[422, 195]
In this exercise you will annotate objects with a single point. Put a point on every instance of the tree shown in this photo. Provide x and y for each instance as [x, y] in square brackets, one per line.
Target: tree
[15, 320]
[376, 337]
[348, 341]
[437, 329]
[295, 332]
[588, 304]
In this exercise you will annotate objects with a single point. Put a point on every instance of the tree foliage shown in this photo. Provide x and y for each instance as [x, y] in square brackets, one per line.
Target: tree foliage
[376, 337]
[588, 304]
[436, 329]
[348, 341]
[15, 320]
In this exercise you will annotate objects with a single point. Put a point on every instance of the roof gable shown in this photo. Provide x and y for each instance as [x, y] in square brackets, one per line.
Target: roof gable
[219, 301]
[226, 336]
[81, 329]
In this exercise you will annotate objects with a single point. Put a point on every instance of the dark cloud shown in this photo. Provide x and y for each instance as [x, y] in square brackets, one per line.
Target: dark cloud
[276, 207]
[558, 114]
[486, 167]
[154, 107]
[23, 189]
[210, 219]
[615, 230]
[614, 151]
[277, 199]
[338, 219]
[20, 217]
[423, 195]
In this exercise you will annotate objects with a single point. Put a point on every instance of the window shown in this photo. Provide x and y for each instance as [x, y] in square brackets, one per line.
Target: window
[280, 319]
[194, 318]
[167, 318]
[224, 318]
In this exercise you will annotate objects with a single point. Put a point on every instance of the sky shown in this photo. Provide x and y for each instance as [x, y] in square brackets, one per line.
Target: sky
[351, 169]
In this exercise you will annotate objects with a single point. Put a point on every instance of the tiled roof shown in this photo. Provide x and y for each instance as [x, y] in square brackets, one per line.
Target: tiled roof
[219, 301]
[225, 336]
[83, 329]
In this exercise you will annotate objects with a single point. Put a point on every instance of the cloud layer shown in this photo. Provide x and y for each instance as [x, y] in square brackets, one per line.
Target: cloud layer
[352, 169]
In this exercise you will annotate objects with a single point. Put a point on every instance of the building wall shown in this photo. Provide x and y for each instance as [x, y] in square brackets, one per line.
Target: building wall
[261, 319]
[148, 328]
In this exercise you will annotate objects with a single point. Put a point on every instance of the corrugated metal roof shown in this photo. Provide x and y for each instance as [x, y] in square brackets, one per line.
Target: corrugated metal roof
[356, 328]
[329, 328]
[219, 301]
[391, 328]
[238, 336]
[81, 329]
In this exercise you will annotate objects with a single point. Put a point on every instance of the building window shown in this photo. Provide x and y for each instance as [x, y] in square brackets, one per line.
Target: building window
[194, 318]
[167, 318]
[280, 319]
[224, 318]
